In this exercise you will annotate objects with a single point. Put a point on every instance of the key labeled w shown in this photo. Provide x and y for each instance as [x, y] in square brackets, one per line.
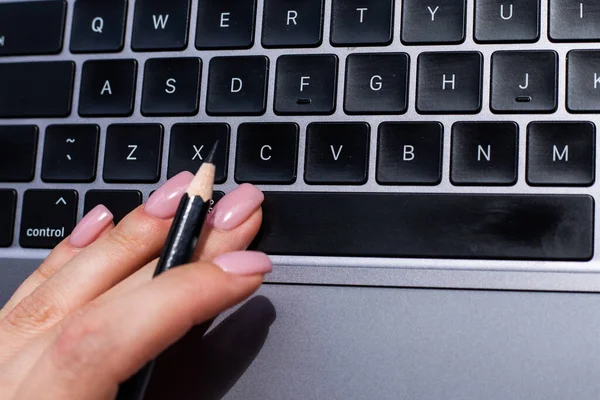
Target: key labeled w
[160, 21]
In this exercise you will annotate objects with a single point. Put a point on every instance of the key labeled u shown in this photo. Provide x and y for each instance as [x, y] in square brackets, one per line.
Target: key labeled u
[510, 12]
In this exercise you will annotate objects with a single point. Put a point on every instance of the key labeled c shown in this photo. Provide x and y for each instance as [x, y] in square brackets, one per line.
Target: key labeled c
[263, 155]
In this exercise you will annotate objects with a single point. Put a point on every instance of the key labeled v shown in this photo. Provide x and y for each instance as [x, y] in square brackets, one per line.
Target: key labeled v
[335, 154]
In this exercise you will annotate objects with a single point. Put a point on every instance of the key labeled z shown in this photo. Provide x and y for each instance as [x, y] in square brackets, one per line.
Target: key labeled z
[133, 148]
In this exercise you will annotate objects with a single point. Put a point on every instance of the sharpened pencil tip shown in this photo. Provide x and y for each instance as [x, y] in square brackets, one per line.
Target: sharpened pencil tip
[210, 158]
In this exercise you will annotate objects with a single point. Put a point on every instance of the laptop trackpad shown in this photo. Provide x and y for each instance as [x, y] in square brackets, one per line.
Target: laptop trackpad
[317, 342]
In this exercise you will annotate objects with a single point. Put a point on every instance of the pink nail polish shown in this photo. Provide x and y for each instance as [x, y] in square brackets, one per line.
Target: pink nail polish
[244, 263]
[164, 202]
[236, 207]
[90, 227]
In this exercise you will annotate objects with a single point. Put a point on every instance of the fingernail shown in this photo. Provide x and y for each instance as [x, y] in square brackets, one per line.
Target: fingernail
[90, 227]
[244, 263]
[236, 207]
[164, 202]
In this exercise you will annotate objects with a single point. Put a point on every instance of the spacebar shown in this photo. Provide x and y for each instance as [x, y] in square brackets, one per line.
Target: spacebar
[520, 227]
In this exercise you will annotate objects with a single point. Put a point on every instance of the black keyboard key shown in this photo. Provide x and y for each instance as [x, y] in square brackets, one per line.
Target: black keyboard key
[98, 26]
[521, 227]
[237, 86]
[484, 153]
[48, 217]
[524, 81]
[119, 202]
[190, 143]
[306, 84]
[438, 22]
[449, 82]
[171, 86]
[266, 153]
[583, 81]
[160, 25]
[337, 153]
[362, 22]
[70, 153]
[572, 20]
[225, 24]
[18, 149]
[133, 153]
[410, 153]
[107, 88]
[561, 153]
[36, 89]
[34, 27]
[497, 21]
[8, 203]
[292, 23]
[376, 83]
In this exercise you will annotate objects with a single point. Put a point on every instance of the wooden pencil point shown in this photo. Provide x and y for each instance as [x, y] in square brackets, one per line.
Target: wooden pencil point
[202, 184]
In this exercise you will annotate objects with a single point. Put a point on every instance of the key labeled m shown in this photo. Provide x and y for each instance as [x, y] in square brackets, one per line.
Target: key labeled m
[560, 156]
[160, 21]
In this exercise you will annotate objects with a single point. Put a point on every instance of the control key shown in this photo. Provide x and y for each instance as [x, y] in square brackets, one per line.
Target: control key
[48, 217]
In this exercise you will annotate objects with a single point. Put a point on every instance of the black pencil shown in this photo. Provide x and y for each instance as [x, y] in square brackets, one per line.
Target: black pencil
[178, 250]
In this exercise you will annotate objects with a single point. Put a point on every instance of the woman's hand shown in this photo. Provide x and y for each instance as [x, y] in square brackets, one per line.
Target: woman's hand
[91, 315]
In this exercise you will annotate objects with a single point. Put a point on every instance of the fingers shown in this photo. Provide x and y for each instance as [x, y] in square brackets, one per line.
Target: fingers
[135, 241]
[231, 226]
[105, 344]
[96, 223]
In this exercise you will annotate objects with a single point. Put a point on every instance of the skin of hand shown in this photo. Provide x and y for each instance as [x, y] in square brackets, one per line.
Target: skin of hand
[91, 315]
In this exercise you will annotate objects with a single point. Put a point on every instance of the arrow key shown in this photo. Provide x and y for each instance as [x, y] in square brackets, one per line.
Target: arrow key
[48, 217]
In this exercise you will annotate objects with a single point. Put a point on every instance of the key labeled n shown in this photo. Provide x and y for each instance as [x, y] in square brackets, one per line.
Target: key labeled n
[160, 21]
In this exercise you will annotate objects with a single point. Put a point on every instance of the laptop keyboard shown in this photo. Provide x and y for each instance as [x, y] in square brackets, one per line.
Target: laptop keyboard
[407, 129]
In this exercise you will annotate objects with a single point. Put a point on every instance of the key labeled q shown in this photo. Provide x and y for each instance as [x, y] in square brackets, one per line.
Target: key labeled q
[98, 24]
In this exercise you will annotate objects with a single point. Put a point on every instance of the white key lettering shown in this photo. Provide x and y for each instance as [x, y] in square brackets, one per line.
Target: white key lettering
[106, 88]
[171, 88]
[263, 155]
[197, 151]
[133, 148]
[408, 153]
[160, 21]
[510, 13]
[559, 156]
[236, 85]
[446, 80]
[336, 155]
[97, 25]
[225, 20]
[596, 80]
[362, 13]
[291, 17]
[1, 41]
[487, 155]
[376, 83]
[526, 85]
[433, 12]
[581, 10]
[304, 82]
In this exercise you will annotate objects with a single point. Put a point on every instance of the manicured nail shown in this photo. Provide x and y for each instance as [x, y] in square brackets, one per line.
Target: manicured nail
[244, 263]
[236, 207]
[90, 227]
[164, 202]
